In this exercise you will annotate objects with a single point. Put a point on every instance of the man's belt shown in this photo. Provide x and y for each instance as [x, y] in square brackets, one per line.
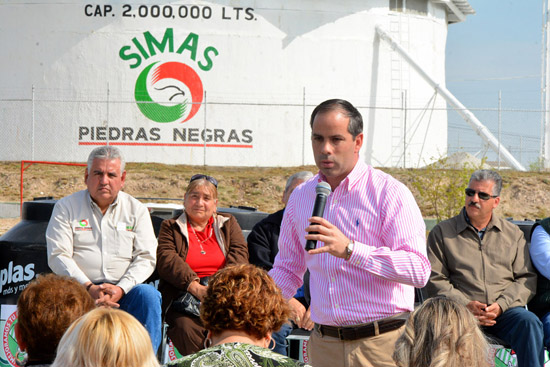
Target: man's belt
[361, 331]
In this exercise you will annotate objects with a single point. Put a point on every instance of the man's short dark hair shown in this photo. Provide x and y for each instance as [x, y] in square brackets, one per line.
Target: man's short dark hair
[355, 126]
[488, 175]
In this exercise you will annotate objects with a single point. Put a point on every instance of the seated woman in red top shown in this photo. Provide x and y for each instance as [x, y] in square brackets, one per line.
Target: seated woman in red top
[192, 246]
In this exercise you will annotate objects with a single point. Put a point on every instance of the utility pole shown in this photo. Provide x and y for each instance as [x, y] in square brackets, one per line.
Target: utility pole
[546, 152]
[499, 124]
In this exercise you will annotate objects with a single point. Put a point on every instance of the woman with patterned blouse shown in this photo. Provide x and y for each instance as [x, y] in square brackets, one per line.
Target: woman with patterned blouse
[242, 307]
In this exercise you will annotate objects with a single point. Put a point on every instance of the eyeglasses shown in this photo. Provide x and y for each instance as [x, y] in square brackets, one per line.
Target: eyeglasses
[480, 194]
[200, 176]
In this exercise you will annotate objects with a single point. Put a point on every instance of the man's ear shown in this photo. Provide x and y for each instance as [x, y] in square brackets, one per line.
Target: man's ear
[358, 142]
[496, 202]
[123, 178]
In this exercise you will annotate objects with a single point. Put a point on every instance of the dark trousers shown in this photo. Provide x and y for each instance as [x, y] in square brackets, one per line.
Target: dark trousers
[186, 332]
[280, 339]
[521, 329]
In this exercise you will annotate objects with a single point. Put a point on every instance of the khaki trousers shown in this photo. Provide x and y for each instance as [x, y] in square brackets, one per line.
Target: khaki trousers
[374, 351]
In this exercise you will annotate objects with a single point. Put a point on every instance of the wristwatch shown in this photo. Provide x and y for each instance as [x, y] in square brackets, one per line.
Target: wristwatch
[349, 249]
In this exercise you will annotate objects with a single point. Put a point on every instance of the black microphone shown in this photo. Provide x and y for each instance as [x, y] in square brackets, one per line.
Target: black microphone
[323, 191]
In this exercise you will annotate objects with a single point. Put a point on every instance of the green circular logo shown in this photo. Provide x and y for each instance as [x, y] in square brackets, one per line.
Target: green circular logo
[180, 85]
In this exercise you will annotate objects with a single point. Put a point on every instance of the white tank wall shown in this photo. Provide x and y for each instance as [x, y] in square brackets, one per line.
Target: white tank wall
[426, 126]
[255, 88]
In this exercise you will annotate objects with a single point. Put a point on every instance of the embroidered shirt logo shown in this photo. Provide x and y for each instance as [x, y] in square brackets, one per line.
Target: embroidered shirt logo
[83, 225]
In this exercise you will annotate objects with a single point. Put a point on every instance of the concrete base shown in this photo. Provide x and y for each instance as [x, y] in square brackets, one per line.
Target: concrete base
[9, 210]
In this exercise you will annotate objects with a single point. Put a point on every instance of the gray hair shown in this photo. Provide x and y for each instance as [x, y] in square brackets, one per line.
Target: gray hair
[355, 125]
[488, 175]
[106, 152]
[299, 176]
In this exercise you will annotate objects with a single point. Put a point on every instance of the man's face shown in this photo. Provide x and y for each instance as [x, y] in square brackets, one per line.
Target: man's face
[478, 209]
[334, 148]
[104, 181]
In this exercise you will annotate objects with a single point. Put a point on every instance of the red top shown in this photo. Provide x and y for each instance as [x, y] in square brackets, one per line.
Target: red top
[204, 256]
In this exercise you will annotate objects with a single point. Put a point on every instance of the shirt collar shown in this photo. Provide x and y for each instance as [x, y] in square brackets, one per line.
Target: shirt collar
[465, 222]
[480, 232]
[93, 204]
[352, 178]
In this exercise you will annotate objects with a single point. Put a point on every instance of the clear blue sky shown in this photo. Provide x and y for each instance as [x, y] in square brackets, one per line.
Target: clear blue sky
[498, 48]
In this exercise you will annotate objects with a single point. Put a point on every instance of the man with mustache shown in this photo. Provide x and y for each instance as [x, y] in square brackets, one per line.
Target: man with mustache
[482, 261]
[104, 239]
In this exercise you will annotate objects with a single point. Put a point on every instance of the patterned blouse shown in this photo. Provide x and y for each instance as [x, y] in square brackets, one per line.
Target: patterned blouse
[236, 355]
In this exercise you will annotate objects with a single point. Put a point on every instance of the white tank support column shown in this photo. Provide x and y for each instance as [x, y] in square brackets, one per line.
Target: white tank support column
[399, 26]
[466, 114]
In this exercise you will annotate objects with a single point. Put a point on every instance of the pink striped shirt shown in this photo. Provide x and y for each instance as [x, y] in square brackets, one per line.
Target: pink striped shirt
[389, 259]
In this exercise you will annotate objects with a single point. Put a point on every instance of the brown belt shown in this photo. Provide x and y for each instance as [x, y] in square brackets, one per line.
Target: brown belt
[360, 331]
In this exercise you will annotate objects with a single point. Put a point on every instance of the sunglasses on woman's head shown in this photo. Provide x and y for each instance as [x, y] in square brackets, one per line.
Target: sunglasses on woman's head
[210, 179]
[480, 194]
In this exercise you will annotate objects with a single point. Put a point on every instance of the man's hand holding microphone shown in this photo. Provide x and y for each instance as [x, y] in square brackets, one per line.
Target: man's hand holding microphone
[320, 229]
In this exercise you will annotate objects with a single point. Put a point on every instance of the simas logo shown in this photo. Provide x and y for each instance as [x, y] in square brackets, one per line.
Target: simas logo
[169, 87]
[9, 344]
[182, 89]
[169, 91]
[83, 223]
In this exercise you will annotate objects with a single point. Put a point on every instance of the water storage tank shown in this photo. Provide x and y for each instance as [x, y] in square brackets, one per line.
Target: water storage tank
[23, 250]
[219, 82]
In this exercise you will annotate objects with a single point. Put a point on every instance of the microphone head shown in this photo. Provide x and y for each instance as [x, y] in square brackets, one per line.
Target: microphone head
[323, 188]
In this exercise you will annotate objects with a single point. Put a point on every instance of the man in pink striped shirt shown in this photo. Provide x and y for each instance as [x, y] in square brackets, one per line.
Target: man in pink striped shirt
[371, 249]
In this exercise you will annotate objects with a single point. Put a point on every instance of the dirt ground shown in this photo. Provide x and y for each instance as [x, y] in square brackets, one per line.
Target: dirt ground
[7, 223]
[525, 195]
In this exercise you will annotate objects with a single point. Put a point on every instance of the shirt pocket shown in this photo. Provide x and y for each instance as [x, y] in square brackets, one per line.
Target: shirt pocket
[124, 244]
[500, 257]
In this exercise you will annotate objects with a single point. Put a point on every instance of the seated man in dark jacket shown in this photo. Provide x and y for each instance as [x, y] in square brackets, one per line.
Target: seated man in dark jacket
[263, 247]
[482, 261]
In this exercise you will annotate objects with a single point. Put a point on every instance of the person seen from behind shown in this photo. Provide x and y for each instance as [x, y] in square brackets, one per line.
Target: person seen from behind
[441, 333]
[45, 309]
[241, 310]
[106, 337]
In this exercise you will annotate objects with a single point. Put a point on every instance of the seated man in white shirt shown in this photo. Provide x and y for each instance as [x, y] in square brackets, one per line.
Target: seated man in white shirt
[104, 238]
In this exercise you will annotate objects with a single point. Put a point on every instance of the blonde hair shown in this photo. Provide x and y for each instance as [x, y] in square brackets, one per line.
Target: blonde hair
[106, 337]
[441, 332]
